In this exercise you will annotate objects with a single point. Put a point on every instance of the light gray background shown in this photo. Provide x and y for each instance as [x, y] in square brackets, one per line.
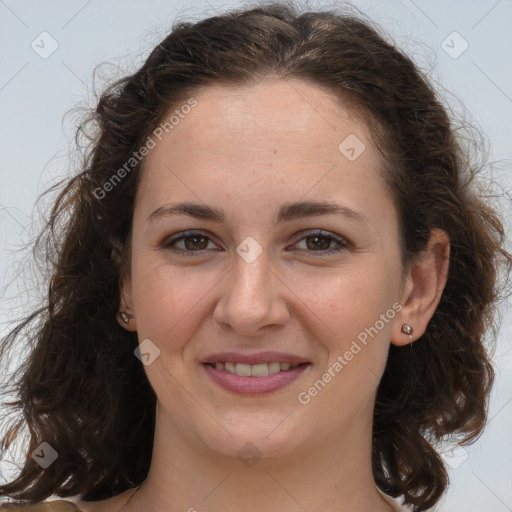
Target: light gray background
[35, 143]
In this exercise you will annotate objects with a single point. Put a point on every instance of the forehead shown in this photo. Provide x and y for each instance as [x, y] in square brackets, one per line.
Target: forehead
[271, 115]
[263, 140]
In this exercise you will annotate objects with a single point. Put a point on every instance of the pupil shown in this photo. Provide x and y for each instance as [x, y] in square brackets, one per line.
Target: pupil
[195, 243]
[317, 245]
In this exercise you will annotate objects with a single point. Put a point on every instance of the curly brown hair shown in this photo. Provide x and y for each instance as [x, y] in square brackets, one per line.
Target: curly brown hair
[82, 390]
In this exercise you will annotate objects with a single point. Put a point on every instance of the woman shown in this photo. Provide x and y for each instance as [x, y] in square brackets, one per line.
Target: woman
[272, 282]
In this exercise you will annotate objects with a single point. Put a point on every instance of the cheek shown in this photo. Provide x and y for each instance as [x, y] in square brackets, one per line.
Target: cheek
[351, 317]
[168, 301]
[342, 302]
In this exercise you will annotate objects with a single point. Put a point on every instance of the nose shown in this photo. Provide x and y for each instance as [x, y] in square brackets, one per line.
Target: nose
[253, 298]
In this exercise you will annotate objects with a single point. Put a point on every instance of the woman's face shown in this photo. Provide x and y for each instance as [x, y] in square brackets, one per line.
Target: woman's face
[258, 277]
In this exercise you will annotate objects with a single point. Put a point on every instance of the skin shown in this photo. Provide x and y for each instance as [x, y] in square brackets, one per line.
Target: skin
[249, 150]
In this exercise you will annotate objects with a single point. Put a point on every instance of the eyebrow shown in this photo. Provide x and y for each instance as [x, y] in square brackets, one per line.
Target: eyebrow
[286, 212]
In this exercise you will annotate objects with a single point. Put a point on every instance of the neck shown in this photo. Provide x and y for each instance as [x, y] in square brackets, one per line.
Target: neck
[334, 475]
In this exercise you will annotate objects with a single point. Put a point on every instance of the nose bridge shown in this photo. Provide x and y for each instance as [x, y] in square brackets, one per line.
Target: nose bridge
[251, 269]
[252, 280]
[251, 298]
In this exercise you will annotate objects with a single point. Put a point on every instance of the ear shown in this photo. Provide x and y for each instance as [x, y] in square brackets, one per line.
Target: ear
[125, 316]
[423, 287]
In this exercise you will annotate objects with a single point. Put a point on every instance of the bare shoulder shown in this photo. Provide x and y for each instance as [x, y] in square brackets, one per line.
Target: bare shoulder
[93, 506]
[69, 505]
[47, 506]
[109, 505]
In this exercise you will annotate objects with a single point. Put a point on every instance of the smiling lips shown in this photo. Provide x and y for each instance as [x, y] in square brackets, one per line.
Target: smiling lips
[254, 373]
[254, 370]
[255, 358]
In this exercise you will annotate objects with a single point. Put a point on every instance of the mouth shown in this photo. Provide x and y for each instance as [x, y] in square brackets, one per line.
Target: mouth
[254, 370]
[254, 379]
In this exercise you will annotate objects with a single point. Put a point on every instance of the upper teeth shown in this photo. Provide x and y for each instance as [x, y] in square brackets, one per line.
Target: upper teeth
[254, 370]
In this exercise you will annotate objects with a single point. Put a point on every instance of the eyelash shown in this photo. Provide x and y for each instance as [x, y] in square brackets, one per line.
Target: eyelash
[167, 243]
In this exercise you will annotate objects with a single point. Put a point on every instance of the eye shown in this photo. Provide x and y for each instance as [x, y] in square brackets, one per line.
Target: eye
[192, 243]
[321, 242]
[195, 243]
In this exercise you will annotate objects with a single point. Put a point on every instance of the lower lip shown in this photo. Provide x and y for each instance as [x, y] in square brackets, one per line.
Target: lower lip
[254, 385]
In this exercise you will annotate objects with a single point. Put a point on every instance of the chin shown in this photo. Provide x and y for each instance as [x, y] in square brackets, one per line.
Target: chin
[250, 443]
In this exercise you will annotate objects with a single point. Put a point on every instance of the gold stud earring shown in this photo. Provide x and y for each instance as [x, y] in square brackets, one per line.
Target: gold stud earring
[408, 330]
[125, 316]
